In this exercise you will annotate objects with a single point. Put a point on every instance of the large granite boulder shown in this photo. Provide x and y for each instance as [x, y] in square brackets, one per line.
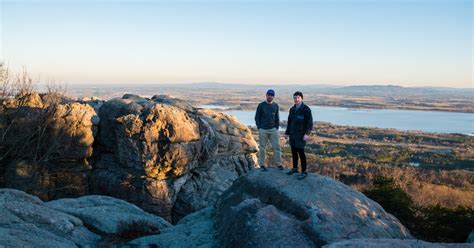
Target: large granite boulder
[105, 214]
[25, 221]
[194, 230]
[47, 148]
[168, 157]
[393, 243]
[272, 209]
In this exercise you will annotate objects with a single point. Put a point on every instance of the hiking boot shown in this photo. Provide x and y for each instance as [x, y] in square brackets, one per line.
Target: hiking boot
[280, 167]
[292, 171]
[263, 168]
[302, 175]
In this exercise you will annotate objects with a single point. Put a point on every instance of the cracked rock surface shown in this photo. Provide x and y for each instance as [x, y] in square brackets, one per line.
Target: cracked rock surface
[26, 221]
[272, 209]
[168, 157]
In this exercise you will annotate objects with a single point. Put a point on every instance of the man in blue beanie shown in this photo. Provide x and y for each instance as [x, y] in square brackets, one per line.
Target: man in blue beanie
[267, 119]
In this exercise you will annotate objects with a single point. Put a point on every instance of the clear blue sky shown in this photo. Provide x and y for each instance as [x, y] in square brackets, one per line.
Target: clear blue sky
[409, 43]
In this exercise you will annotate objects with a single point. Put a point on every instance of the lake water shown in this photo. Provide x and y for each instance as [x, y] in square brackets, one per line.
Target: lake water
[427, 121]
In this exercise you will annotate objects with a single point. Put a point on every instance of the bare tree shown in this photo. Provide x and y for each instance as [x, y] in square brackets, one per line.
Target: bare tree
[27, 123]
[6, 82]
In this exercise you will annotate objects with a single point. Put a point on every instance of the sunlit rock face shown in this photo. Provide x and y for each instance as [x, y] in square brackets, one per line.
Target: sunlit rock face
[166, 156]
[272, 209]
[47, 146]
[32, 100]
[162, 154]
[75, 125]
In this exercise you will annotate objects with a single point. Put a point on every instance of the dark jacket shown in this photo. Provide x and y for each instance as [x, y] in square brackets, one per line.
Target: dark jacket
[300, 122]
[267, 115]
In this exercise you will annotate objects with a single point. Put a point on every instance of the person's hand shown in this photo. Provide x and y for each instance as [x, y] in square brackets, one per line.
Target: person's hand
[305, 137]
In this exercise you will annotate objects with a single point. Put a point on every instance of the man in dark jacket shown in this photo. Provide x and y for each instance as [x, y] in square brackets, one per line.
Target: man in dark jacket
[267, 119]
[300, 124]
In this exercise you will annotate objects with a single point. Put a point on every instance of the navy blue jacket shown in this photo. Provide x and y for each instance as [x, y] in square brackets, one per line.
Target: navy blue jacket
[300, 121]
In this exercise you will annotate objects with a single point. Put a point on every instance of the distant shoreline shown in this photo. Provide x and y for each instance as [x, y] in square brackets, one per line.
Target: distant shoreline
[358, 108]
[247, 97]
[399, 119]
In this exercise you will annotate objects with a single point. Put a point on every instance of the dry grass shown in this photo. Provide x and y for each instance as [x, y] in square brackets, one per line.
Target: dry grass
[431, 194]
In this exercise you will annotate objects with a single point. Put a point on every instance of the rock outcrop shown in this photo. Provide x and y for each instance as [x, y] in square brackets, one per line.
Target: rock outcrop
[162, 153]
[91, 221]
[272, 209]
[168, 157]
[26, 221]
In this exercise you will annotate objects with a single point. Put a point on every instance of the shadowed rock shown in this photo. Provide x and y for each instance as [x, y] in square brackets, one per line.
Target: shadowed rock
[26, 221]
[104, 214]
[47, 148]
[194, 230]
[470, 239]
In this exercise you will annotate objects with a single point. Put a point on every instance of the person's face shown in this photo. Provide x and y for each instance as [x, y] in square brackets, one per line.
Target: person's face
[297, 100]
[270, 98]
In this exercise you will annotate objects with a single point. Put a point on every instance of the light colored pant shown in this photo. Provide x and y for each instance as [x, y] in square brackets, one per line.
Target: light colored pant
[265, 135]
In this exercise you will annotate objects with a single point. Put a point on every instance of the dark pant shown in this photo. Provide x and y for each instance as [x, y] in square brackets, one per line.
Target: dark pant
[295, 152]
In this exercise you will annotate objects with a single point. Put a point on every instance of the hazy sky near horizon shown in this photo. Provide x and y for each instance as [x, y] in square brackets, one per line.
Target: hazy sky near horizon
[404, 42]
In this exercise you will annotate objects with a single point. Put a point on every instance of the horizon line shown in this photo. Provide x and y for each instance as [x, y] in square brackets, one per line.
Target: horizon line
[254, 85]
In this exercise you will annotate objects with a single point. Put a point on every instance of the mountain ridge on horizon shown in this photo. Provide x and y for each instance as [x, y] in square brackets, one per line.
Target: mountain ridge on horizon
[351, 90]
[221, 84]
